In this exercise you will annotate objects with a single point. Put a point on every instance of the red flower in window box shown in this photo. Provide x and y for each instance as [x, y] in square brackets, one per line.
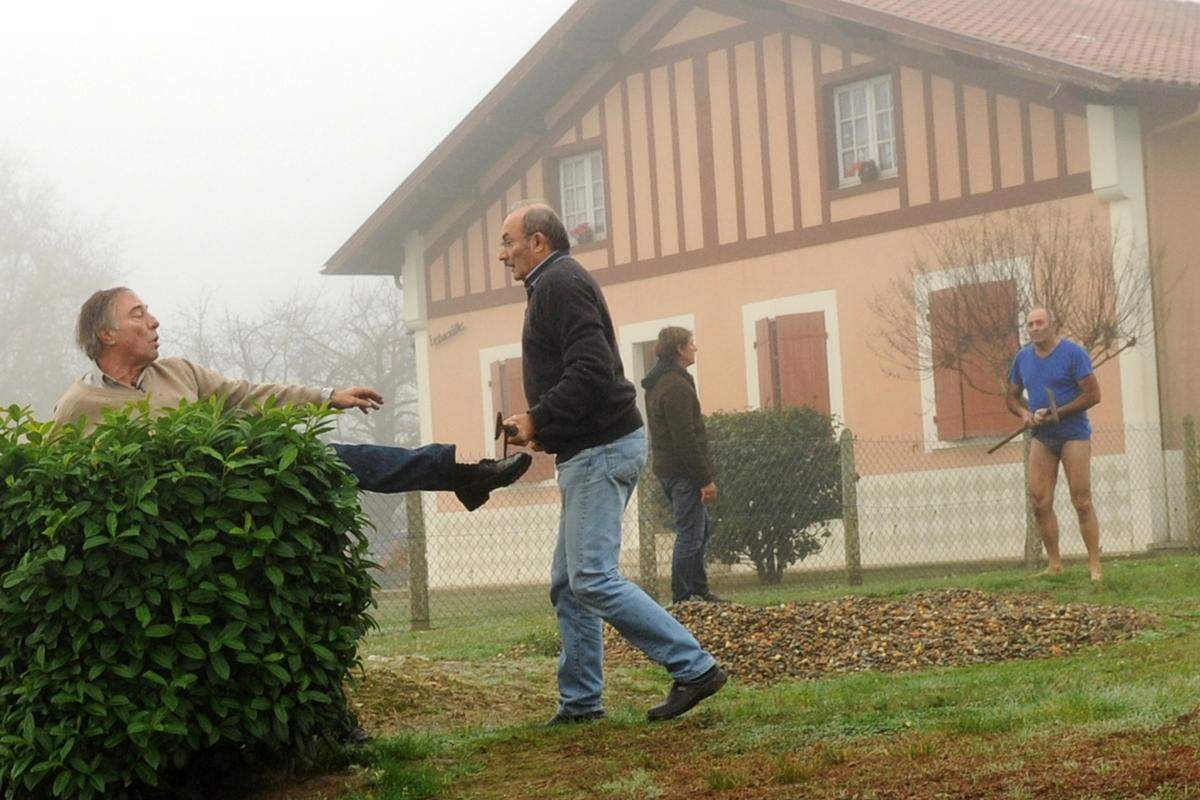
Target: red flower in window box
[866, 170]
[582, 233]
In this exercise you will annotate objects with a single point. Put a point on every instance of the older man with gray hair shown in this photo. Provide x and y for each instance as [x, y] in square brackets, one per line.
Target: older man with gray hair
[119, 334]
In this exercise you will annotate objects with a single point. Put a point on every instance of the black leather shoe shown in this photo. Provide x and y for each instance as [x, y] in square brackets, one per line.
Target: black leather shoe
[575, 719]
[684, 696]
[709, 597]
[475, 482]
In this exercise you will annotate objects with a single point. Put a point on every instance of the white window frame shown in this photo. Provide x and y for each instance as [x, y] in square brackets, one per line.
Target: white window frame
[873, 140]
[487, 357]
[927, 284]
[824, 301]
[591, 182]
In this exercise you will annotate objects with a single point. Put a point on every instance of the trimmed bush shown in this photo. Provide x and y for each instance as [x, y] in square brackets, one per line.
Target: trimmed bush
[171, 586]
[779, 486]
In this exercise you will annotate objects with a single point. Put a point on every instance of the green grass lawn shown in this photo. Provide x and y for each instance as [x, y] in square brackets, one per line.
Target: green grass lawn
[1102, 722]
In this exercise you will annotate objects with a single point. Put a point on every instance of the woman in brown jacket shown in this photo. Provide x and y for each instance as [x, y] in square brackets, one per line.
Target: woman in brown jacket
[681, 460]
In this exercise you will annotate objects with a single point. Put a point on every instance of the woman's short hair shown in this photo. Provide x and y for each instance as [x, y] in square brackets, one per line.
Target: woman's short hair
[95, 315]
[670, 339]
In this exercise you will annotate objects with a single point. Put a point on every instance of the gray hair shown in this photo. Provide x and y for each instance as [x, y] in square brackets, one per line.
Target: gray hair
[540, 218]
[95, 315]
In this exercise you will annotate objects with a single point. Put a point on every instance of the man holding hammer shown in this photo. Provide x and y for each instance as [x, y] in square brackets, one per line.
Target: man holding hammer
[1056, 375]
[584, 411]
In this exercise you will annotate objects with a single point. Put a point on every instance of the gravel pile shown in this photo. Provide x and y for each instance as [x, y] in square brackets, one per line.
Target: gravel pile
[951, 627]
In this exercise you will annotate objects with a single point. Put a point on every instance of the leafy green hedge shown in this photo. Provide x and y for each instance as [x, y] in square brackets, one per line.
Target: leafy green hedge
[779, 481]
[170, 586]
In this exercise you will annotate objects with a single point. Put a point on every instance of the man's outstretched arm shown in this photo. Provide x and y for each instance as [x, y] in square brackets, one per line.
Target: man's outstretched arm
[246, 394]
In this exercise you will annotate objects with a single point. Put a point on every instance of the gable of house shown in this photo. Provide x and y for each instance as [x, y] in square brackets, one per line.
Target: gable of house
[716, 138]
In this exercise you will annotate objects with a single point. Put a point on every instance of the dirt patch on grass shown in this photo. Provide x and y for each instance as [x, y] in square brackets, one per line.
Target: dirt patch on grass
[606, 760]
[951, 627]
[406, 693]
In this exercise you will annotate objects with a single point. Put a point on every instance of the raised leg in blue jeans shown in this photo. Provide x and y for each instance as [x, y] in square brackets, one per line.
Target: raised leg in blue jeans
[380, 468]
[586, 587]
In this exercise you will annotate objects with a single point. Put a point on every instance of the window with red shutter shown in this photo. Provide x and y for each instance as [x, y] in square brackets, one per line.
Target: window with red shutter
[974, 331]
[508, 396]
[793, 366]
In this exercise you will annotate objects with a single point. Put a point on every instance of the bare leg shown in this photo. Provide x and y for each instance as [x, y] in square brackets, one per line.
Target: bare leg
[1043, 475]
[1077, 464]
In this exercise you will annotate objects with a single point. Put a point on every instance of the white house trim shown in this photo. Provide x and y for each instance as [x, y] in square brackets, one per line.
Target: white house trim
[823, 301]
[1118, 178]
[487, 356]
[931, 282]
[638, 332]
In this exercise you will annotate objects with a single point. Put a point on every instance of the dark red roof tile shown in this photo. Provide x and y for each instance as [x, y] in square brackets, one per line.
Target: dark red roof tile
[1132, 41]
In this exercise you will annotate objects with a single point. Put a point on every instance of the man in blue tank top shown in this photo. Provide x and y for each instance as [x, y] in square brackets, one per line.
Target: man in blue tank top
[1052, 364]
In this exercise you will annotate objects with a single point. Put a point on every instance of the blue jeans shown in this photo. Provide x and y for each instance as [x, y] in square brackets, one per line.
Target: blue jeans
[380, 468]
[586, 587]
[693, 527]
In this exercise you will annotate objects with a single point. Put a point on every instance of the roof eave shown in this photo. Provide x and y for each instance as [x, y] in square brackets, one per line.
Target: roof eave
[355, 257]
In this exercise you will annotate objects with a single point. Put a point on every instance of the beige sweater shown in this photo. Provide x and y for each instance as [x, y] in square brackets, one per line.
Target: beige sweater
[167, 381]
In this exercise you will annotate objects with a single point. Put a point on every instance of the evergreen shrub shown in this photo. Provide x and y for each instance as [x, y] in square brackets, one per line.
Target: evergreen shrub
[779, 486]
[170, 586]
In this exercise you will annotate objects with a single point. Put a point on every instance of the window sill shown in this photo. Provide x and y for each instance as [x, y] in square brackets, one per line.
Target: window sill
[863, 188]
[595, 244]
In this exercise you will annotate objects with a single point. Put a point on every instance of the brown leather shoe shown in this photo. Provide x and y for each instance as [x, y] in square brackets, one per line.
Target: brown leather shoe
[684, 696]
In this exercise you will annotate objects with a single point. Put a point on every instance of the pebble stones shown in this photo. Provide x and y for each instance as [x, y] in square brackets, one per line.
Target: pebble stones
[950, 627]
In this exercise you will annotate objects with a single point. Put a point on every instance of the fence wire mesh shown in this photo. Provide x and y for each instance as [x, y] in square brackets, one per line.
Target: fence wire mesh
[825, 510]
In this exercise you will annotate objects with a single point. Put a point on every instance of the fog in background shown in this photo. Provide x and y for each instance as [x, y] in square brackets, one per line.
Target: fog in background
[221, 151]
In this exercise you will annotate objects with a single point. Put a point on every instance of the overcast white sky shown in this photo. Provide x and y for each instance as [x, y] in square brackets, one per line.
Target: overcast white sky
[234, 146]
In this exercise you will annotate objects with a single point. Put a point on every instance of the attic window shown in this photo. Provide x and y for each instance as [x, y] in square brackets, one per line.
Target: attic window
[581, 180]
[866, 137]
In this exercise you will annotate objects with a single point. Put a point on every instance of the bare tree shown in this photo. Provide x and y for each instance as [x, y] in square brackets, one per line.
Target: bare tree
[352, 337]
[960, 307]
[49, 264]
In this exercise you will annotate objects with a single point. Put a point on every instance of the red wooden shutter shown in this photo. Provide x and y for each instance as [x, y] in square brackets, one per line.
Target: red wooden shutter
[984, 410]
[764, 345]
[802, 361]
[947, 379]
[967, 387]
[512, 388]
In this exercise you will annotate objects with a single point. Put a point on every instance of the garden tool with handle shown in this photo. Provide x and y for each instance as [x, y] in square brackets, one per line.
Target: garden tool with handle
[505, 431]
[1053, 417]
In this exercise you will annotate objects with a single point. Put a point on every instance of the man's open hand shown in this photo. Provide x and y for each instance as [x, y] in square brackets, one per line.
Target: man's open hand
[524, 437]
[363, 398]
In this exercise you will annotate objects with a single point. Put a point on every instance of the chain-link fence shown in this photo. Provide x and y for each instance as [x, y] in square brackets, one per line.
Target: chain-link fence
[826, 509]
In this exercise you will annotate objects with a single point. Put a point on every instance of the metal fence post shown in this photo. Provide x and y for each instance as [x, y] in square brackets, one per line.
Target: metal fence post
[1191, 477]
[418, 565]
[1033, 536]
[647, 536]
[850, 509]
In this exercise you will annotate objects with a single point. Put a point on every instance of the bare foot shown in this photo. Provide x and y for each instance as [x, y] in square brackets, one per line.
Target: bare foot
[1049, 571]
[1097, 577]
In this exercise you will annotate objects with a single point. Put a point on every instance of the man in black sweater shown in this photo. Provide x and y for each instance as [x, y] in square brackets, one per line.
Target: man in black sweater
[583, 410]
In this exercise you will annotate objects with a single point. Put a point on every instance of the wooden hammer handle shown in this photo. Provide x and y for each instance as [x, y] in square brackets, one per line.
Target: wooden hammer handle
[1006, 440]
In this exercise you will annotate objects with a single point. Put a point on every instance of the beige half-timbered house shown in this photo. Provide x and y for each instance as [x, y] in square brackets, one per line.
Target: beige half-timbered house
[757, 170]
